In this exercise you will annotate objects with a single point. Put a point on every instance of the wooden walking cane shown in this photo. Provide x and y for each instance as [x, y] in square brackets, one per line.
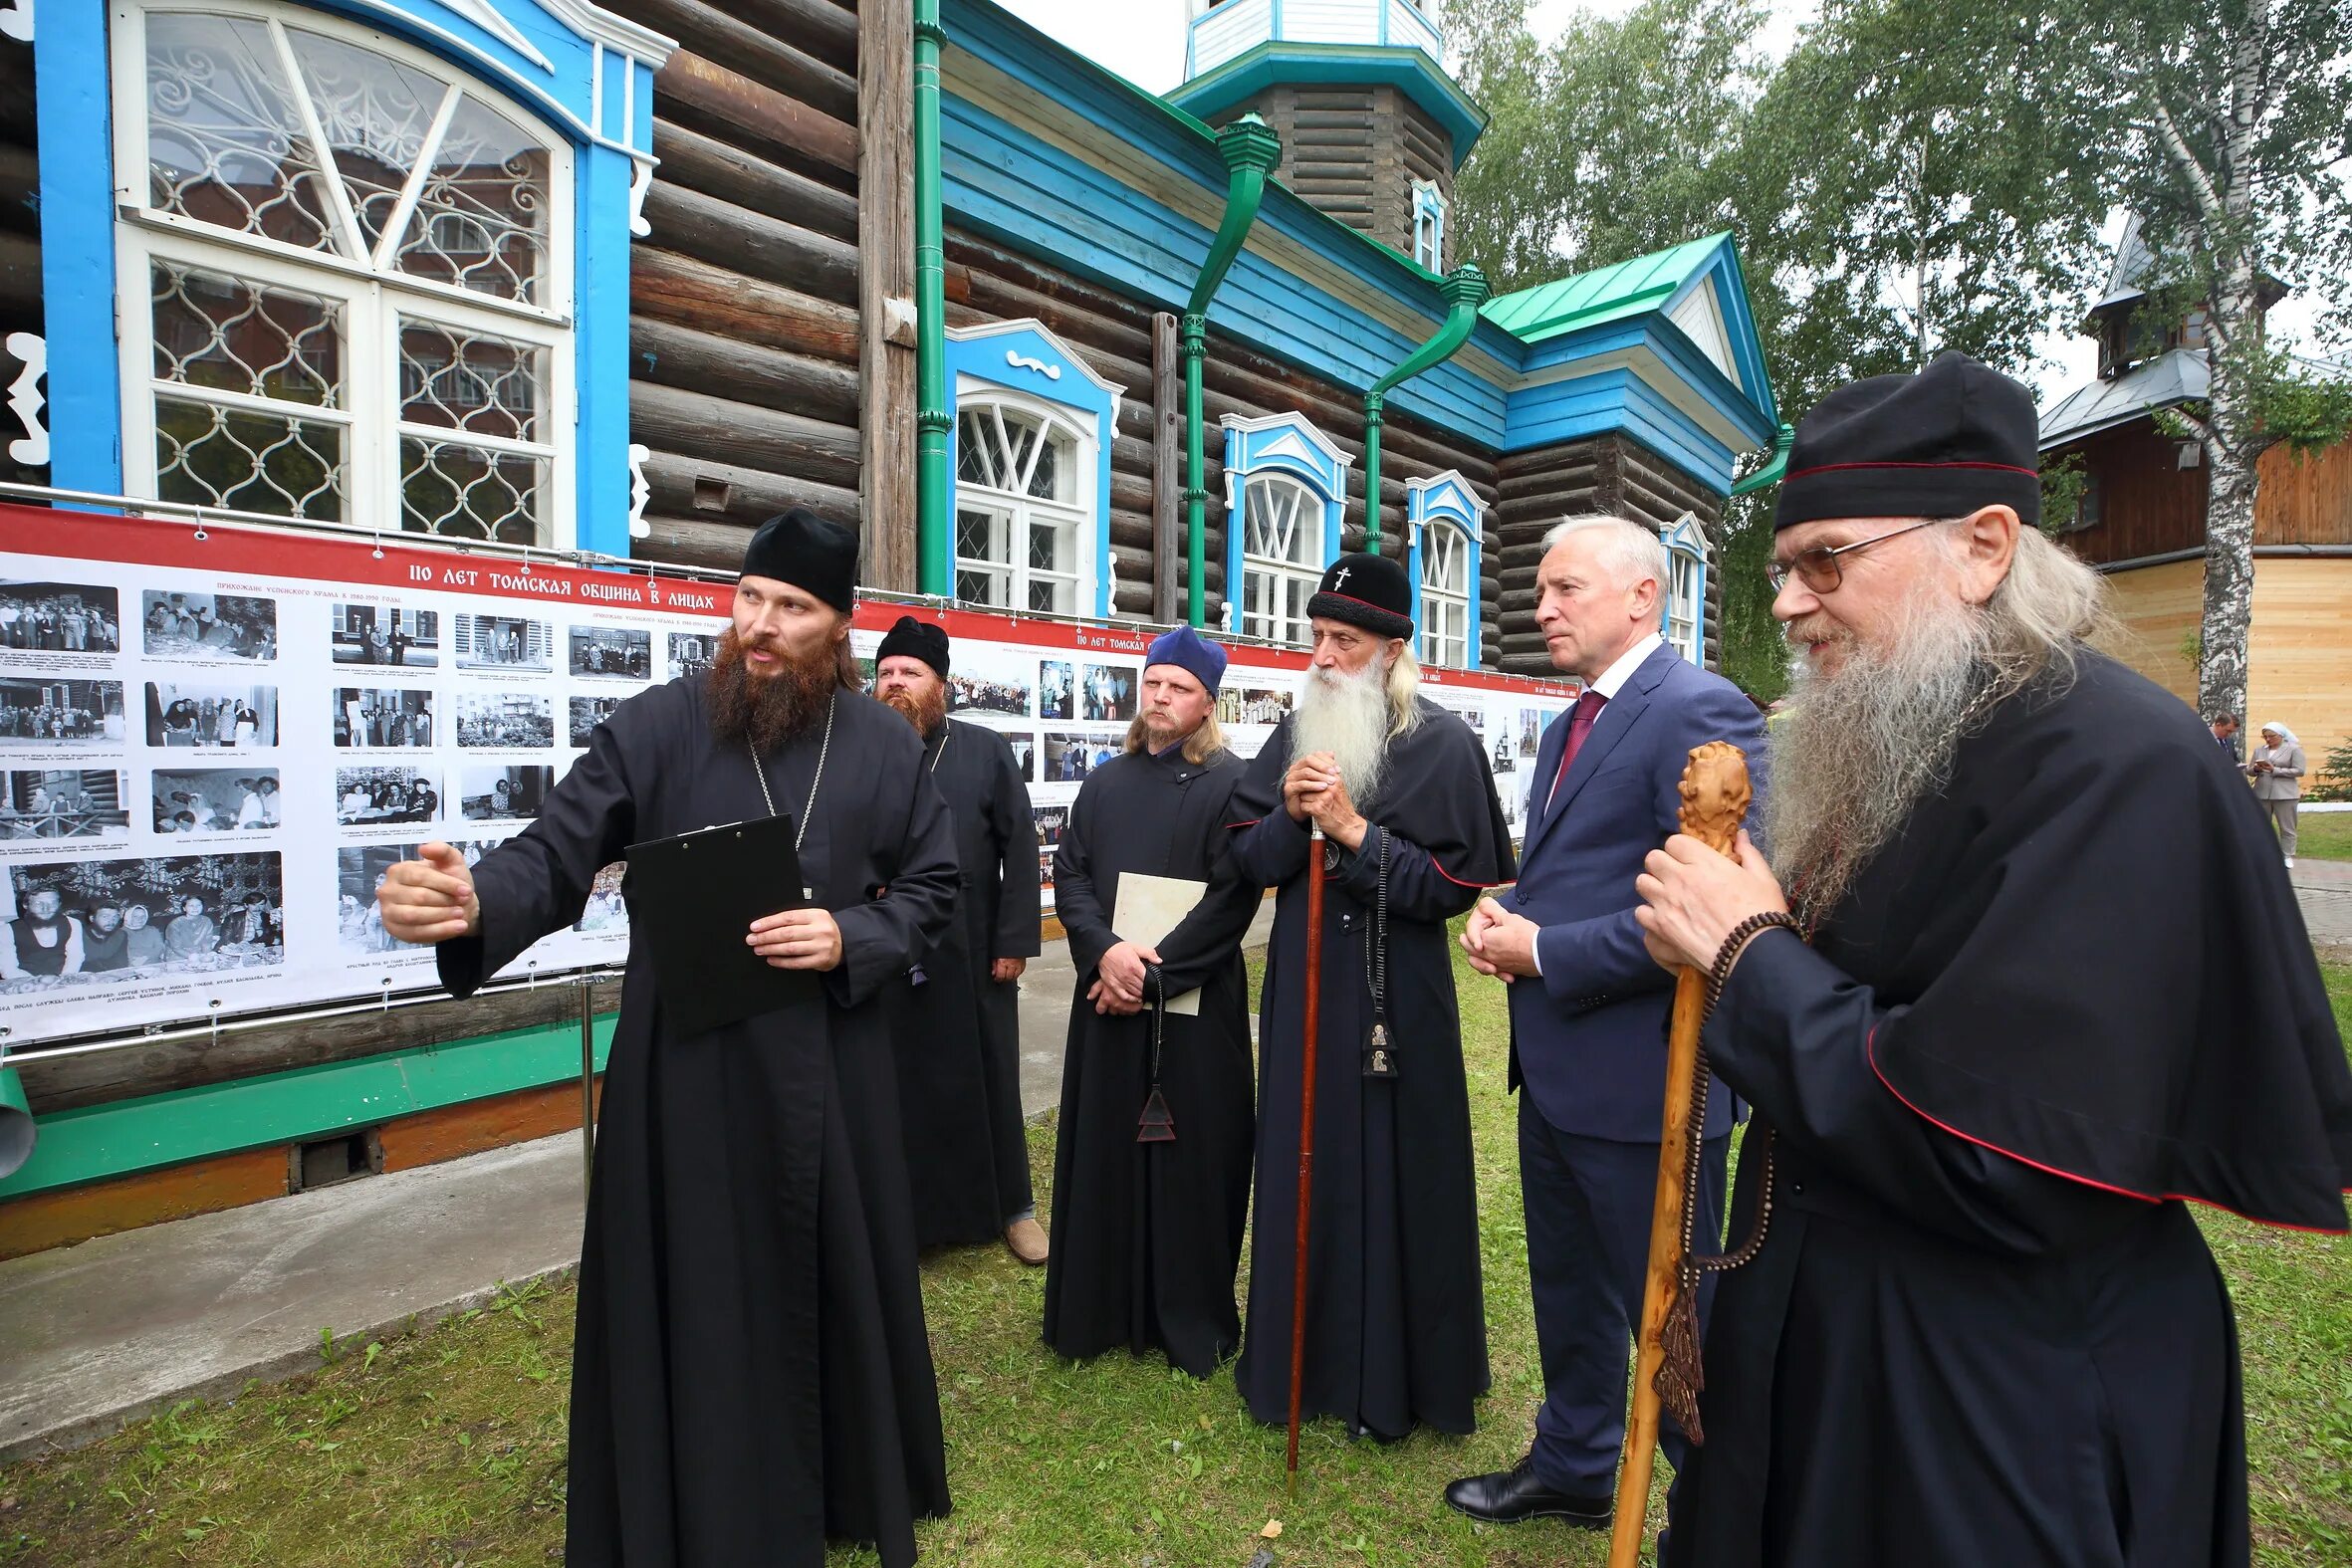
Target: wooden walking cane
[1715, 795]
[1315, 996]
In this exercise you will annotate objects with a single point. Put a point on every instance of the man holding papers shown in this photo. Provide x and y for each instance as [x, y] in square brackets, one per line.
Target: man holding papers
[1151, 1167]
[750, 1374]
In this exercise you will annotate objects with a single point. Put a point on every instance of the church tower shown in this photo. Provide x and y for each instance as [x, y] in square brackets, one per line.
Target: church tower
[1372, 127]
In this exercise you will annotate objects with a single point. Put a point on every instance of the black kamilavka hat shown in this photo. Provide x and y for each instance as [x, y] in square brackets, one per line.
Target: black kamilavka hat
[916, 639]
[1370, 592]
[807, 552]
[1956, 437]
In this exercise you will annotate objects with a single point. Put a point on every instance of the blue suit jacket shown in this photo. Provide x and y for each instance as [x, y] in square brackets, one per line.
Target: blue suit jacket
[1589, 1038]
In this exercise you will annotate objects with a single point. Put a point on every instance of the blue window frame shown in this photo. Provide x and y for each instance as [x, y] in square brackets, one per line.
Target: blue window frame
[1682, 616]
[1429, 225]
[1442, 519]
[371, 263]
[1031, 452]
[1286, 489]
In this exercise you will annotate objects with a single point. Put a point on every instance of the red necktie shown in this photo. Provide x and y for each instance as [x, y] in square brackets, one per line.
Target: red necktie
[1580, 722]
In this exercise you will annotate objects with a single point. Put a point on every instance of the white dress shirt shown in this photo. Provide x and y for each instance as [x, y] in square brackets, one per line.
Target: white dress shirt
[1612, 680]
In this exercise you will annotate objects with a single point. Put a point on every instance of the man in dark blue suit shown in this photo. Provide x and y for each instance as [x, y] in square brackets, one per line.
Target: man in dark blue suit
[1588, 1005]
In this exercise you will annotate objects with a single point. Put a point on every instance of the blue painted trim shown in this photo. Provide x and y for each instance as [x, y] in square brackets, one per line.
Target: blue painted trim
[76, 125]
[982, 360]
[1680, 541]
[601, 349]
[1246, 455]
[1276, 63]
[1617, 400]
[1446, 506]
[1751, 386]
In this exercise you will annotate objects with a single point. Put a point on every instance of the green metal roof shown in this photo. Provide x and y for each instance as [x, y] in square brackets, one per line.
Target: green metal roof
[1605, 293]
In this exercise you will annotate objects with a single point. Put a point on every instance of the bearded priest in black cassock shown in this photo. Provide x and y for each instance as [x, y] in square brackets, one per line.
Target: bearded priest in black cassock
[749, 1371]
[1151, 1159]
[2056, 983]
[958, 1032]
[1396, 1320]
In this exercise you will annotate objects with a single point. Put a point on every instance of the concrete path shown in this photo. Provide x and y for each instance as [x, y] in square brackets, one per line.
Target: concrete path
[113, 1329]
[2324, 889]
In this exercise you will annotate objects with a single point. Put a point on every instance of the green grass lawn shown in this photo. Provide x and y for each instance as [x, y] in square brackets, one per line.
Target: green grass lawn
[447, 1446]
[2324, 835]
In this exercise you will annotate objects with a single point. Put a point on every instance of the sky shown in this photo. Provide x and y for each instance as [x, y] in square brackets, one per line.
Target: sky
[1143, 41]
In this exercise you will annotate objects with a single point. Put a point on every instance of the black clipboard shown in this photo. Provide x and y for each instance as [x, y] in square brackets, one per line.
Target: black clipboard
[693, 899]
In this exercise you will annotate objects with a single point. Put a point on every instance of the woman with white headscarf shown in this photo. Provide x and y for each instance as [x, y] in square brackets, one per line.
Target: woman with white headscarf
[2277, 773]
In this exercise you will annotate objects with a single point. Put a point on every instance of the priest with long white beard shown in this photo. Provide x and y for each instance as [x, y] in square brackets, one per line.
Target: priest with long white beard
[1413, 832]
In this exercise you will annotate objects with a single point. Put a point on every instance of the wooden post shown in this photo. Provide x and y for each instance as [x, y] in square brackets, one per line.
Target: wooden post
[1167, 473]
[886, 272]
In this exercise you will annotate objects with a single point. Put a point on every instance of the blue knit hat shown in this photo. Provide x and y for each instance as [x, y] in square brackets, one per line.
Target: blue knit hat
[1188, 650]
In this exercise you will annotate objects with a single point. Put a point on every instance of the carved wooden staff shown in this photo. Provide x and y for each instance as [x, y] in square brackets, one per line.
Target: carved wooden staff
[1314, 996]
[1715, 795]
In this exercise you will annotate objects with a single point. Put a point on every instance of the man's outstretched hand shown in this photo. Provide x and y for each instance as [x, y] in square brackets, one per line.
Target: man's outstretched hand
[431, 898]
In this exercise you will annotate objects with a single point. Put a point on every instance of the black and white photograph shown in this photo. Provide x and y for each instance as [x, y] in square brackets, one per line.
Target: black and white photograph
[59, 617]
[1025, 755]
[1505, 755]
[205, 713]
[989, 683]
[693, 653]
[368, 797]
[615, 652]
[64, 803]
[1107, 693]
[43, 713]
[501, 794]
[358, 922]
[382, 717]
[1071, 758]
[1530, 730]
[588, 713]
[174, 626]
[381, 635]
[94, 921]
[1251, 705]
[1057, 689]
[215, 800]
[605, 910]
[503, 643]
[506, 719]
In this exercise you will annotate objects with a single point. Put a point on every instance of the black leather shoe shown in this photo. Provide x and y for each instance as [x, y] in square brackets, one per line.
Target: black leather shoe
[1507, 1496]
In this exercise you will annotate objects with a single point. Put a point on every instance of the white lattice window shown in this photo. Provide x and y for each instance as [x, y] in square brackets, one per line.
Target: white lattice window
[1445, 597]
[1683, 608]
[345, 280]
[1021, 507]
[1282, 557]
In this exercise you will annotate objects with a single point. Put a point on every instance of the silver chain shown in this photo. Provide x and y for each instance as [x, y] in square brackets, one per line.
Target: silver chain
[801, 832]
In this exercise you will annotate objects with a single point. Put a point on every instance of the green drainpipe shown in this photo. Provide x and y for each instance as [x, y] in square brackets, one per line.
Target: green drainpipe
[934, 544]
[1465, 289]
[1775, 465]
[1250, 151]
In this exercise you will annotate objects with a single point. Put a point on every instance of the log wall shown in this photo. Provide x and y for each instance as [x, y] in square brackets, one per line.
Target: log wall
[1354, 151]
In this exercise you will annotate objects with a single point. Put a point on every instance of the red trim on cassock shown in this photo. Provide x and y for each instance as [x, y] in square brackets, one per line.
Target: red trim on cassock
[1870, 1049]
[1838, 468]
[1251, 823]
[1457, 881]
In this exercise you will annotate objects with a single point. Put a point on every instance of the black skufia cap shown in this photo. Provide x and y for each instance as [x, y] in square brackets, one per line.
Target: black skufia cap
[1370, 592]
[1956, 437]
[809, 552]
[915, 639]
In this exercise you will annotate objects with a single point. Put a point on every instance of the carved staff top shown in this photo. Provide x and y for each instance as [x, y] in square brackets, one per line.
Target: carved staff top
[1715, 794]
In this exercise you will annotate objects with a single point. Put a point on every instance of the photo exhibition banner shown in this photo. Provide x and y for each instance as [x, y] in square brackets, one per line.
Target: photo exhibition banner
[214, 741]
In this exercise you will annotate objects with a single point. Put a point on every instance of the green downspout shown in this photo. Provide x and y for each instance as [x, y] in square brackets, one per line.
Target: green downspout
[934, 545]
[1250, 151]
[1464, 290]
[1774, 466]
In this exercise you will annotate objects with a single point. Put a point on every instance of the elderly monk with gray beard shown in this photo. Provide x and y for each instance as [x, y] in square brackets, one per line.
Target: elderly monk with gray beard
[2022, 974]
[1395, 1319]
[750, 1372]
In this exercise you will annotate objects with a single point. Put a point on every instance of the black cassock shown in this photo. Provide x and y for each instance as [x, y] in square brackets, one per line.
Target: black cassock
[749, 1373]
[958, 1032]
[1148, 1235]
[1983, 1328]
[1396, 1329]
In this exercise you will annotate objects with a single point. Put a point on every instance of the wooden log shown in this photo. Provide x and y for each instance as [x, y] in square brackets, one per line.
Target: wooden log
[741, 240]
[65, 1083]
[1168, 544]
[721, 430]
[715, 168]
[1130, 565]
[790, 383]
[1132, 601]
[886, 273]
[732, 496]
[823, 28]
[765, 119]
[692, 542]
[758, 54]
[20, 271]
[1132, 528]
[665, 286]
[1130, 492]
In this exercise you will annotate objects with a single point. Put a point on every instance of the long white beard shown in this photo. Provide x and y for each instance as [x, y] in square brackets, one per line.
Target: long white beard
[1348, 715]
[1862, 746]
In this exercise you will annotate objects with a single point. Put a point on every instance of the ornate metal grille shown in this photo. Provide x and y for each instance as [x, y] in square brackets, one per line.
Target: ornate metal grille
[481, 215]
[226, 144]
[231, 351]
[376, 116]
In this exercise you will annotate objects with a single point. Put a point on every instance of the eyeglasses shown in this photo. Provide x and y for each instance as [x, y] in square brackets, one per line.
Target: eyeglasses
[1817, 568]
